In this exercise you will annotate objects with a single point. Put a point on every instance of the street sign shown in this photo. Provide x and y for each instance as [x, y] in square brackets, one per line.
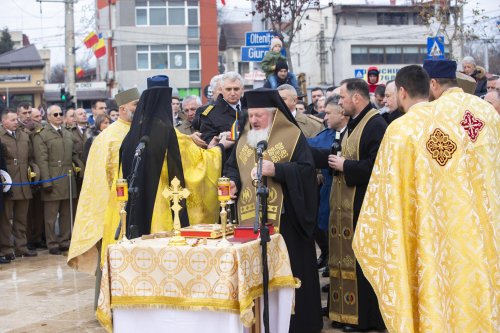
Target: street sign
[359, 73]
[253, 53]
[258, 38]
[435, 47]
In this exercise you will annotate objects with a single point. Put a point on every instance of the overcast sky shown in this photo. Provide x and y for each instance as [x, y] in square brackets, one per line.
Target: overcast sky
[43, 23]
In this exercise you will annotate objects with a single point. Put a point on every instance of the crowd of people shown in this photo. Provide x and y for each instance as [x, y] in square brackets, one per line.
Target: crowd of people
[404, 208]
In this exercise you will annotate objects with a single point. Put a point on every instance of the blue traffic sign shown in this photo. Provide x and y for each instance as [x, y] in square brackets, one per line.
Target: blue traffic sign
[253, 53]
[359, 73]
[435, 47]
[258, 38]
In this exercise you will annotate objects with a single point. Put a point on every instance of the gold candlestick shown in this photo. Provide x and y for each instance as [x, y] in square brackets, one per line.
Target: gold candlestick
[223, 189]
[122, 198]
[176, 193]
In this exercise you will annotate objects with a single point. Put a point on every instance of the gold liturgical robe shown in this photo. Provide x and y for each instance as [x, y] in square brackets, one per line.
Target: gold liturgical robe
[97, 214]
[100, 171]
[428, 234]
[202, 169]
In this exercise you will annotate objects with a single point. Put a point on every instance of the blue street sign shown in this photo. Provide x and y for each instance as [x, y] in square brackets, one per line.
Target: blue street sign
[256, 53]
[359, 73]
[435, 47]
[258, 38]
[253, 53]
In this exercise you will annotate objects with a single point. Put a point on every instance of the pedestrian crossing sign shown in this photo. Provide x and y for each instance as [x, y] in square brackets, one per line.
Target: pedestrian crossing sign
[435, 47]
[359, 73]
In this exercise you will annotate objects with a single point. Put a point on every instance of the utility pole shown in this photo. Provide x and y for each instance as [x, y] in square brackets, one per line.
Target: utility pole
[70, 48]
[322, 53]
[69, 45]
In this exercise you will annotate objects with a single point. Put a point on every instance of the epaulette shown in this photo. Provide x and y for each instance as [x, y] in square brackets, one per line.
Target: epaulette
[310, 116]
[39, 130]
[207, 110]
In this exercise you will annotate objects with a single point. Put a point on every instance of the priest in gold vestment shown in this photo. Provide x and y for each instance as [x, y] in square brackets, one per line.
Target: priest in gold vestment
[101, 169]
[428, 234]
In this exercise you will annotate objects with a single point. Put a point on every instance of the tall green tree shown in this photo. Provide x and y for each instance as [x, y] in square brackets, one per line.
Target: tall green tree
[6, 43]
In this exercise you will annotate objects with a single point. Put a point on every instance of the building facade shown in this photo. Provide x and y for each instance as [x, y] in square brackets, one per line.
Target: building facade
[177, 38]
[22, 77]
[342, 41]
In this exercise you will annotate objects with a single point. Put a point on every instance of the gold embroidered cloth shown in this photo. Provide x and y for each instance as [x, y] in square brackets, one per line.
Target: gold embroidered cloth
[427, 237]
[149, 273]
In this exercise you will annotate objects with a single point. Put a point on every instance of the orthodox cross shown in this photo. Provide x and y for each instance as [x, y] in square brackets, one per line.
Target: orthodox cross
[176, 193]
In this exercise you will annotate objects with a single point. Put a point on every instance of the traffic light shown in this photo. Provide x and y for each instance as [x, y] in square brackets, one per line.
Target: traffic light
[63, 95]
[69, 101]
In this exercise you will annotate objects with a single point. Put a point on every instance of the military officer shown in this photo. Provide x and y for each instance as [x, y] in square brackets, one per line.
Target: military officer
[18, 154]
[35, 229]
[309, 124]
[221, 117]
[189, 106]
[54, 155]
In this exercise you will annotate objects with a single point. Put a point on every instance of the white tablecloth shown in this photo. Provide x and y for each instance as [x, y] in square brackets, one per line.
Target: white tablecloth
[141, 320]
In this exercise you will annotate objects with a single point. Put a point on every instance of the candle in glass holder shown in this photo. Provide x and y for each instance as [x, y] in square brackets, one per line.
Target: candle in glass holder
[121, 190]
[223, 187]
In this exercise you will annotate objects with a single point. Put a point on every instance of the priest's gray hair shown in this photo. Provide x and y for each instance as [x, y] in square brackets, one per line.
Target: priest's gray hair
[190, 99]
[270, 109]
[288, 87]
[231, 77]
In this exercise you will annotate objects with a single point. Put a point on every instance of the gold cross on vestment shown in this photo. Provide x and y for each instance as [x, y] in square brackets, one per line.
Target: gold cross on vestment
[176, 193]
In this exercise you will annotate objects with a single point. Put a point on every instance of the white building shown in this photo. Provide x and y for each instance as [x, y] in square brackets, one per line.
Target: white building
[357, 37]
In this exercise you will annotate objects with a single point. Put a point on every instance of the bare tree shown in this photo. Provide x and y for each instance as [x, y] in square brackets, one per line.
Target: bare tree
[447, 17]
[57, 74]
[284, 18]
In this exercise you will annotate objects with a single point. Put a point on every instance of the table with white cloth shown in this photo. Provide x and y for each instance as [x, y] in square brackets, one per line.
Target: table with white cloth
[149, 286]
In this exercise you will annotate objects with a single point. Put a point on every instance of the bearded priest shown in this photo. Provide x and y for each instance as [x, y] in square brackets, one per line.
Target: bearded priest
[293, 200]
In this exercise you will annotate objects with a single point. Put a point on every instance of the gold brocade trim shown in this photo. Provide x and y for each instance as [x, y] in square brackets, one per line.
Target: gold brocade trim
[104, 320]
[242, 307]
[344, 319]
[348, 275]
[174, 302]
[334, 273]
[278, 282]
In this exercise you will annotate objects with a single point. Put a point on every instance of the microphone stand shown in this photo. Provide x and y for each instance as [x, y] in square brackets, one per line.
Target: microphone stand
[133, 193]
[262, 195]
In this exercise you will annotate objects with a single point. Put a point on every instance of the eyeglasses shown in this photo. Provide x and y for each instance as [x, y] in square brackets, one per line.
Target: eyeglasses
[57, 114]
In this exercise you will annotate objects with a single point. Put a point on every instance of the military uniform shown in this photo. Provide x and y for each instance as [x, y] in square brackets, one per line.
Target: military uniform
[309, 125]
[54, 155]
[35, 229]
[18, 156]
[185, 127]
[217, 119]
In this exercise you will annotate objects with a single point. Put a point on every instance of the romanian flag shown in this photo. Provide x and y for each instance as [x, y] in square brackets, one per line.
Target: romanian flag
[100, 47]
[234, 131]
[91, 40]
[79, 72]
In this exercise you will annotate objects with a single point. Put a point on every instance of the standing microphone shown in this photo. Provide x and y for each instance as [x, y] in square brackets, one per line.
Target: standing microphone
[141, 146]
[261, 147]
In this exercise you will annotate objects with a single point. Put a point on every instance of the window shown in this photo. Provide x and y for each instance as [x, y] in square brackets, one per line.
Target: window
[388, 54]
[194, 63]
[193, 25]
[392, 18]
[169, 57]
[163, 12]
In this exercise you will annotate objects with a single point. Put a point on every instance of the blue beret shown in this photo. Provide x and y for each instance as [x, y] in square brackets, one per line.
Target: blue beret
[441, 69]
[158, 81]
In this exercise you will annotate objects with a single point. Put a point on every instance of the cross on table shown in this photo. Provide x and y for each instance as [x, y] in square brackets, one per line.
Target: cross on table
[176, 193]
[144, 288]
